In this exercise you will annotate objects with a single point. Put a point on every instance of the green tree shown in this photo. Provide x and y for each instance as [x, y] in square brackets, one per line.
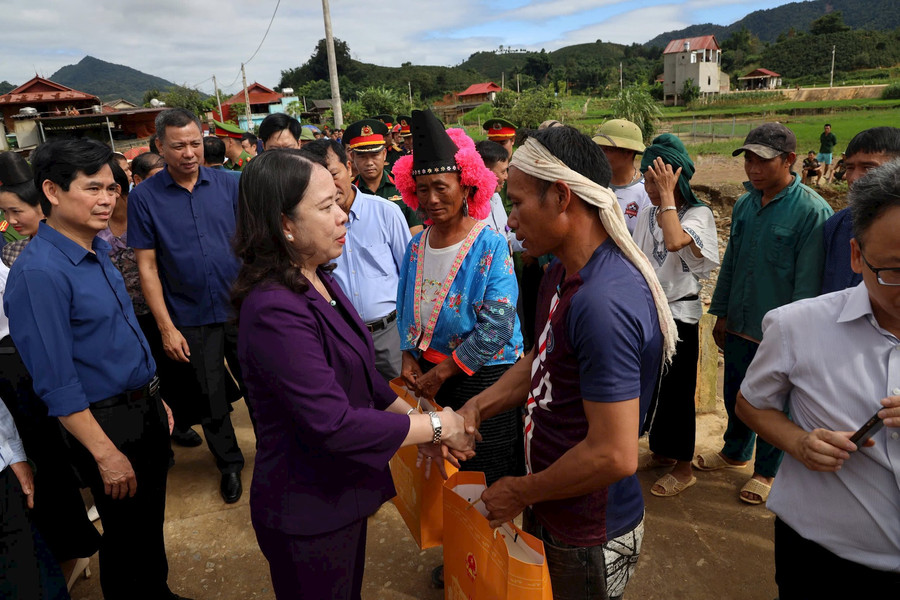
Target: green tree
[538, 65]
[689, 91]
[182, 96]
[636, 105]
[833, 22]
[377, 100]
[237, 110]
[534, 106]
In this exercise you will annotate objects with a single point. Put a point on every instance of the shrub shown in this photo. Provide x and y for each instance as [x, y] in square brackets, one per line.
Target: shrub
[891, 92]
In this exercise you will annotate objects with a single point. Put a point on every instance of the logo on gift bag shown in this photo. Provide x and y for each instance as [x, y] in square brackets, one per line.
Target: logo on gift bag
[471, 567]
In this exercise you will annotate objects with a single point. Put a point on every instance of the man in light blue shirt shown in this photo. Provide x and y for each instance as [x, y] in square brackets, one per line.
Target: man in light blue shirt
[368, 270]
[834, 362]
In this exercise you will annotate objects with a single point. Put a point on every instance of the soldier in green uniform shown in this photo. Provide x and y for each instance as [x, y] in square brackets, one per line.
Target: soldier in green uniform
[365, 141]
[405, 132]
[393, 150]
[501, 131]
[232, 135]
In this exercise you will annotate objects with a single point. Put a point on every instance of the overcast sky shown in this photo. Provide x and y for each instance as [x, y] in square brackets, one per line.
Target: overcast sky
[187, 41]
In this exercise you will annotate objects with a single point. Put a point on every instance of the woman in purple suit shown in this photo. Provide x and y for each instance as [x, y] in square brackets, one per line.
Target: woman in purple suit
[327, 423]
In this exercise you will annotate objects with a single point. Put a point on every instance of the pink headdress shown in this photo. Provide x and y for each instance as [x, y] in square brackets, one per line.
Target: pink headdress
[432, 155]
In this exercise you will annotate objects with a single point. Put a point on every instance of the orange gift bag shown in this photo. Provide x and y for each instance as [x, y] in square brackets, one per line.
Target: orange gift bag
[418, 500]
[484, 563]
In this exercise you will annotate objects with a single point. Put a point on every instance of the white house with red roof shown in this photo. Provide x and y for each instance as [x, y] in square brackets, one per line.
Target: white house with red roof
[698, 59]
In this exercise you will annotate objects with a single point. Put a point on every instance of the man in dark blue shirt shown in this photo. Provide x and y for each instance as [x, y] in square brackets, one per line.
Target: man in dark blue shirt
[72, 320]
[868, 149]
[180, 224]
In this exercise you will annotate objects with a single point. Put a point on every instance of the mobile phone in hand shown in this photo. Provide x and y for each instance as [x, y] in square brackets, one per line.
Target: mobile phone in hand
[871, 427]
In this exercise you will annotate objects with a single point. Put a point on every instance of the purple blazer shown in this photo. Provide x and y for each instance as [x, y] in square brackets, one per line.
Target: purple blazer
[324, 438]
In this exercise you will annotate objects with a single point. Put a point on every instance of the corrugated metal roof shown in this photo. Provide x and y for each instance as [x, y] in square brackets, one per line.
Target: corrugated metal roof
[704, 42]
[480, 88]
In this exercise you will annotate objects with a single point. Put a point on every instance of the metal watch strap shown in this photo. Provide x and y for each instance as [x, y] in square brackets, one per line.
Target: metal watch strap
[436, 426]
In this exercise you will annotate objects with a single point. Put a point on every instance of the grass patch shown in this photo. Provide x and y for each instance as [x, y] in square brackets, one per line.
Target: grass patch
[699, 139]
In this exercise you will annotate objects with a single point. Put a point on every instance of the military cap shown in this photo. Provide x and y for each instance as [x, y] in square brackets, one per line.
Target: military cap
[388, 120]
[365, 136]
[499, 130]
[227, 130]
[404, 122]
[620, 133]
[307, 134]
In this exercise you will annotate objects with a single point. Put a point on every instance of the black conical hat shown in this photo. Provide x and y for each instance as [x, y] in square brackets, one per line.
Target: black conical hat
[14, 169]
[433, 150]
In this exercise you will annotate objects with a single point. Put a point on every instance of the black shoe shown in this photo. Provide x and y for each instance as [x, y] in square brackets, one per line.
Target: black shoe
[437, 577]
[231, 487]
[187, 438]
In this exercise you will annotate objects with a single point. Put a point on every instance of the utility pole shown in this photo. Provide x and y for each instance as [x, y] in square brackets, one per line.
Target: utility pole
[621, 80]
[336, 108]
[831, 84]
[502, 80]
[218, 100]
[409, 85]
[246, 100]
[517, 83]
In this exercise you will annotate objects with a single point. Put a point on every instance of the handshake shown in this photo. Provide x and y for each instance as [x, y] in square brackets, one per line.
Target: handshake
[459, 432]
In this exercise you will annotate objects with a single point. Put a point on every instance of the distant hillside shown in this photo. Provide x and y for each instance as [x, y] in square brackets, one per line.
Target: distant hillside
[767, 25]
[109, 81]
[6, 87]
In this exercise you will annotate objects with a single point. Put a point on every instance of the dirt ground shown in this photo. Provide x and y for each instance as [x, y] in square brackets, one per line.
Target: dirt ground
[701, 545]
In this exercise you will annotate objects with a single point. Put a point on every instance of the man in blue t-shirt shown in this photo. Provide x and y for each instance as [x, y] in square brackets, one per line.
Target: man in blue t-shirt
[588, 384]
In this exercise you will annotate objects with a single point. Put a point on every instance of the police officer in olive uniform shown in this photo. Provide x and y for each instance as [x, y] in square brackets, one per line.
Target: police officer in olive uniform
[501, 131]
[232, 135]
[365, 141]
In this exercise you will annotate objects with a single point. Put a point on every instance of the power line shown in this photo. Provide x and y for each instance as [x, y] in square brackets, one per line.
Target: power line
[277, 4]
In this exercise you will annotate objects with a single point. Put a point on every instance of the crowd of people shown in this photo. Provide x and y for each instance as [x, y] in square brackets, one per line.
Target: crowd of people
[304, 270]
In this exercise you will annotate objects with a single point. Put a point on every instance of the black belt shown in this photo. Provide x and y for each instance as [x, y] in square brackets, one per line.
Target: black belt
[688, 298]
[148, 391]
[382, 323]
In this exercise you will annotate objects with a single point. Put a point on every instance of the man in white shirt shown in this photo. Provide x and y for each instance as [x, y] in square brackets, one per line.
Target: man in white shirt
[621, 140]
[831, 361]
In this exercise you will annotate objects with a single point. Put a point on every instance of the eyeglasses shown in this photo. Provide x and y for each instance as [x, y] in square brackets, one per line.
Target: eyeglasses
[886, 276]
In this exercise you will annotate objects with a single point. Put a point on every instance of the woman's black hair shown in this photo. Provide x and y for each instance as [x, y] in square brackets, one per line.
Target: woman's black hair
[120, 176]
[271, 185]
[16, 178]
[491, 153]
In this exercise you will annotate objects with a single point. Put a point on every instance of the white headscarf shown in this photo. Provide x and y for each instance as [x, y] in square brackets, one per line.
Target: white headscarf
[533, 159]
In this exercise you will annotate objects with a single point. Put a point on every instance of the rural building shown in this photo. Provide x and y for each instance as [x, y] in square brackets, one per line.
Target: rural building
[698, 59]
[263, 102]
[41, 97]
[120, 104]
[760, 79]
[479, 93]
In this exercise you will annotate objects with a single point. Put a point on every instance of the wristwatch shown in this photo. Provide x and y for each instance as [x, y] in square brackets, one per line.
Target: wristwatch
[436, 426]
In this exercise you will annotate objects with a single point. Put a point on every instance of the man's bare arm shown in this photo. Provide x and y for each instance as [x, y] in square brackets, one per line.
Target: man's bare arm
[115, 469]
[608, 454]
[174, 344]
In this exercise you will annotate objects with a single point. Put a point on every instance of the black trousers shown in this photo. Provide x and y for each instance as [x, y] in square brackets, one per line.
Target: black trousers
[133, 561]
[28, 570]
[804, 569]
[674, 425]
[211, 346]
[58, 511]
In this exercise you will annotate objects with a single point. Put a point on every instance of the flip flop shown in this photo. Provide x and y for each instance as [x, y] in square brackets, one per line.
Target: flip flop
[649, 461]
[755, 486]
[671, 486]
[713, 461]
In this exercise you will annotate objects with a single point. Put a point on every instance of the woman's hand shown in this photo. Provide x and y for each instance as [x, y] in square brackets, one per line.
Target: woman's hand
[410, 371]
[454, 434]
[434, 454]
[661, 175]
